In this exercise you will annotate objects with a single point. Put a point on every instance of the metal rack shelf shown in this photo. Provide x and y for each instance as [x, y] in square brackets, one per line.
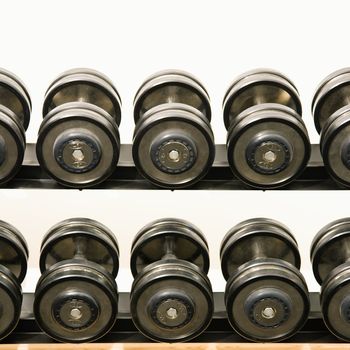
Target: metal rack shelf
[124, 331]
[126, 176]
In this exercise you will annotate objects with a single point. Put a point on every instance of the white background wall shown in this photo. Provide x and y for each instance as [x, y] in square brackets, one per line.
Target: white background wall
[215, 40]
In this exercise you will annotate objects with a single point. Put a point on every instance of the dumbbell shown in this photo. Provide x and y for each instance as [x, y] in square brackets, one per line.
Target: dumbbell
[76, 297]
[330, 256]
[13, 268]
[331, 111]
[171, 298]
[173, 144]
[15, 109]
[267, 141]
[78, 143]
[266, 296]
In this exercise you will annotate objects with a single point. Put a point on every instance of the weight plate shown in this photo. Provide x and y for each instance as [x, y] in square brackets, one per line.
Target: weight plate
[10, 301]
[259, 86]
[14, 250]
[335, 145]
[12, 144]
[329, 248]
[169, 237]
[268, 146]
[84, 85]
[257, 238]
[80, 237]
[171, 301]
[15, 97]
[171, 86]
[267, 300]
[335, 301]
[173, 146]
[76, 302]
[331, 95]
[78, 144]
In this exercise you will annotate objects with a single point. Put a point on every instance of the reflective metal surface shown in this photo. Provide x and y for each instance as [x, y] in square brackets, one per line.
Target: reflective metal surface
[335, 301]
[78, 143]
[169, 237]
[91, 128]
[255, 239]
[13, 268]
[13, 250]
[331, 95]
[14, 96]
[10, 301]
[171, 298]
[330, 256]
[15, 109]
[267, 141]
[331, 111]
[171, 301]
[173, 143]
[83, 238]
[267, 300]
[266, 296]
[76, 301]
[171, 86]
[76, 298]
[259, 86]
[83, 85]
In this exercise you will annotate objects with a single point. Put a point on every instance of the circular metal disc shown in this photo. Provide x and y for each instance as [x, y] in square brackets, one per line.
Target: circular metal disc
[15, 97]
[262, 125]
[257, 87]
[171, 86]
[331, 95]
[330, 248]
[181, 123]
[79, 121]
[267, 300]
[12, 144]
[14, 250]
[335, 301]
[257, 238]
[171, 301]
[76, 302]
[80, 238]
[84, 85]
[165, 238]
[335, 145]
[10, 301]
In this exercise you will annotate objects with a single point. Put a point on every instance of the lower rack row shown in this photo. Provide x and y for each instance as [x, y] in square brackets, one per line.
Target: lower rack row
[124, 331]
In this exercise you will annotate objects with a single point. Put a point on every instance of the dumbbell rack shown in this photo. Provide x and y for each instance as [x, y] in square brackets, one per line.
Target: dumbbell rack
[218, 178]
[126, 176]
[124, 331]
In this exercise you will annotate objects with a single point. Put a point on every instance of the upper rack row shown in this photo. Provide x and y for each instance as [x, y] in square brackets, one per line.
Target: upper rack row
[173, 144]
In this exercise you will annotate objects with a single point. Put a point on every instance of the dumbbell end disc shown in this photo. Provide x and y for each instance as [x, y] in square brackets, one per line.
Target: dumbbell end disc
[76, 302]
[171, 301]
[268, 146]
[267, 300]
[335, 301]
[10, 301]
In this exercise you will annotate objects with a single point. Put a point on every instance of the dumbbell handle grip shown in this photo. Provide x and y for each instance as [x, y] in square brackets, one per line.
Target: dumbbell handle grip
[80, 247]
[169, 244]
